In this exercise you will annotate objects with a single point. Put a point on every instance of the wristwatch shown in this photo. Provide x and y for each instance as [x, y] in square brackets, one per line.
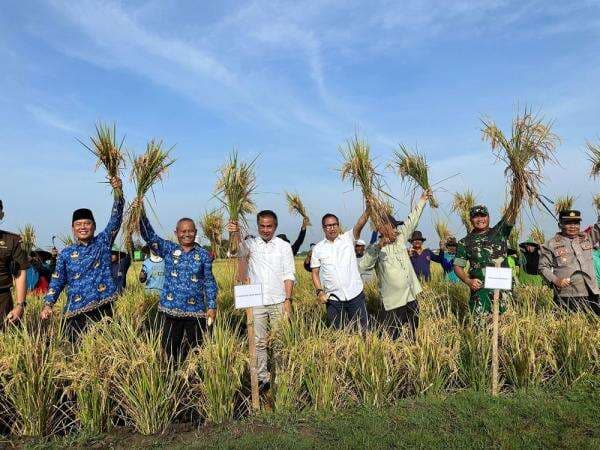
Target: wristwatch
[22, 304]
[318, 291]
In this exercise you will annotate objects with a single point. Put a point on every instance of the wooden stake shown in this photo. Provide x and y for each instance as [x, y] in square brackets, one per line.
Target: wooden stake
[495, 327]
[253, 360]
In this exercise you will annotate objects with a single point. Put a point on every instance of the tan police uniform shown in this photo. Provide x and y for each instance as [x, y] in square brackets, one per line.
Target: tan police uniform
[12, 260]
[564, 257]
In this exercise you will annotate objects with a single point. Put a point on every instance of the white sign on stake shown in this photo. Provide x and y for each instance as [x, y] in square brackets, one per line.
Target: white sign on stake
[248, 295]
[498, 278]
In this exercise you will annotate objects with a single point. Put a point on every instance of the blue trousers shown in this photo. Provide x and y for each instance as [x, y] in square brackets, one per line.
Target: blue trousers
[353, 311]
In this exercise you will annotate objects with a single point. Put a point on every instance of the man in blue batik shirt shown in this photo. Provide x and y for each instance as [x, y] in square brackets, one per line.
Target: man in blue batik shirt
[84, 268]
[189, 294]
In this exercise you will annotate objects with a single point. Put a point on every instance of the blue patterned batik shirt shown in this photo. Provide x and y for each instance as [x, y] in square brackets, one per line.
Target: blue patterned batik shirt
[189, 288]
[85, 270]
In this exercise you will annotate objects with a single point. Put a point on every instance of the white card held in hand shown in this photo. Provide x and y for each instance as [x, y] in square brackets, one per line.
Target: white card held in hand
[498, 278]
[248, 295]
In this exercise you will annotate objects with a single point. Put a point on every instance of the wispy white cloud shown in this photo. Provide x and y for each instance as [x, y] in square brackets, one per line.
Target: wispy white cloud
[51, 119]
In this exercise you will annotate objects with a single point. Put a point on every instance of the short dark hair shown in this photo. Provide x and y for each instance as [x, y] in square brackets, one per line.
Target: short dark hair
[185, 219]
[327, 216]
[1, 206]
[267, 213]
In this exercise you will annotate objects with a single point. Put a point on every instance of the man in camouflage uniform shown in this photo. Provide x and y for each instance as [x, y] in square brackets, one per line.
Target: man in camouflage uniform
[13, 264]
[482, 248]
[567, 263]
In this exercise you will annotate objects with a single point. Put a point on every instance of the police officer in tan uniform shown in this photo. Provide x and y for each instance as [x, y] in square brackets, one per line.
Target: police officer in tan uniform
[566, 262]
[13, 264]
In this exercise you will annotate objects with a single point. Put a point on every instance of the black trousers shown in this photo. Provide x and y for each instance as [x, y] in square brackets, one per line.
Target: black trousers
[77, 325]
[407, 315]
[181, 334]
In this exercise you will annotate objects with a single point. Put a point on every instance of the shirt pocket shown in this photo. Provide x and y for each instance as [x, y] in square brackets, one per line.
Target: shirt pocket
[561, 256]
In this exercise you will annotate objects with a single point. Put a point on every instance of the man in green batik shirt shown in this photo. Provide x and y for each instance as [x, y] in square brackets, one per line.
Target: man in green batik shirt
[481, 248]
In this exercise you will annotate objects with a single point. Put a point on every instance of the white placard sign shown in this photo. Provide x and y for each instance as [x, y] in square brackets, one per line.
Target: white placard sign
[498, 278]
[248, 295]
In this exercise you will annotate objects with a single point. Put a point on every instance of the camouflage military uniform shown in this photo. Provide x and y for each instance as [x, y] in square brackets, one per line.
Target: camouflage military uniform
[481, 250]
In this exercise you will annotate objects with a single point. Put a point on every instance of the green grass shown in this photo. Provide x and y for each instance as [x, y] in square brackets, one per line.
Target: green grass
[468, 419]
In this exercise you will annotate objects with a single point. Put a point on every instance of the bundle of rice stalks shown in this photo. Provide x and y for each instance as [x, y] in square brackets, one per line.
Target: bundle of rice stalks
[66, 240]
[27, 238]
[212, 225]
[147, 169]
[359, 168]
[537, 235]
[461, 204]
[594, 157]
[413, 166]
[234, 188]
[596, 202]
[563, 203]
[295, 204]
[530, 146]
[442, 230]
[104, 146]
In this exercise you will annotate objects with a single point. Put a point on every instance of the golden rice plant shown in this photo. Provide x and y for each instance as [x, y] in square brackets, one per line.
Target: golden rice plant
[31, 363]
[574, 347]
[461, 204]
[593, 151]
[432, 360]
[295, 205]
[214, 372]
[323, 374]
[108, 151]
[234, 189]
[147, 390]
[525, 152]
[212, 226]
[147, 169]
[514, 238]
[359, 168]
[475, 355]
[375, 367]
[563, 203]
[28, 238]
[537, 235]
[442, 230]
[90, 375]
[412, 166]
[526, 354]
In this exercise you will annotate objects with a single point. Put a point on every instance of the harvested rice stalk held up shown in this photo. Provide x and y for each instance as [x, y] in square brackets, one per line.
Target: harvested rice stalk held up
[596, 202]
[442, 230]
[147, 169]
[212, 226]
[234, 189]
[594, 157]
[563, 203]
[412, 167]
[296, 206]
[537, 235]
[109, 153]
[27, 238]
[462, 203]
[359, 168]
[525, 152]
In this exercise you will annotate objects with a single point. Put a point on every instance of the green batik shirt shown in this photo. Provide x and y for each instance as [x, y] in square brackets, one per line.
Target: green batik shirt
[481, 250]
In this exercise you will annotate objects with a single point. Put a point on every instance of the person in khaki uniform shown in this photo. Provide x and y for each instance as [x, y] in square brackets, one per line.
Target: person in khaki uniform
[567, 263]
[13, 264]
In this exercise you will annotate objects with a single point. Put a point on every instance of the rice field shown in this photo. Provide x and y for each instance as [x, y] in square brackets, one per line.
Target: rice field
[118, 378]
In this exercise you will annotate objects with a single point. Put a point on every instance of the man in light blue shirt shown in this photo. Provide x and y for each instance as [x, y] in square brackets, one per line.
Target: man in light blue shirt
[153, 274]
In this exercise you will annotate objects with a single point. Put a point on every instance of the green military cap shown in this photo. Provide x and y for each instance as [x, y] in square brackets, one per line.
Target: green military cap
[478, 210]
[569, 215]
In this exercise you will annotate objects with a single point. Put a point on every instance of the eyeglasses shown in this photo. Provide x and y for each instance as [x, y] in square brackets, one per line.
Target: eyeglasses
[330, 225]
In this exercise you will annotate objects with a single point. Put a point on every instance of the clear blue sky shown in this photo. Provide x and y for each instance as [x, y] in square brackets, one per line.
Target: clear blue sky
[289, 80]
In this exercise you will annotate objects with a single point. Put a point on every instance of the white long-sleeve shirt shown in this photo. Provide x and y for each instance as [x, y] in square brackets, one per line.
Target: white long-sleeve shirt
[338, 267]
[270, 264]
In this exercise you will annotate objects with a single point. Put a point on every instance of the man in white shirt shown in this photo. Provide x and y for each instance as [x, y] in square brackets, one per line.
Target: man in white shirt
[335, 273]
[270, 263]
